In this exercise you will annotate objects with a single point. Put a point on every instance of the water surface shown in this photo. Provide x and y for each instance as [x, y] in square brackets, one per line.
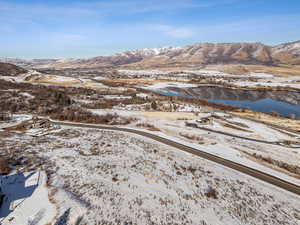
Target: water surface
[286, 103]
[266, 105]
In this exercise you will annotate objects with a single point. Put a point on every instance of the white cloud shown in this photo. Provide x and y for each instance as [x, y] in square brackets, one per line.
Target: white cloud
[144, 6]
[175, 32]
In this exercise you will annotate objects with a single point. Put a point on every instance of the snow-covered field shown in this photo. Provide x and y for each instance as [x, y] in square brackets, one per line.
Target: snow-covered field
[132, 180]
[142, 72]
[105, 177]
[202, 72]
[164, 85]
[26, 200]
[266, 84]
[172, 126]
[264, 79]
[216, 73]
[15, 120]
[117, 97]
[46, 79]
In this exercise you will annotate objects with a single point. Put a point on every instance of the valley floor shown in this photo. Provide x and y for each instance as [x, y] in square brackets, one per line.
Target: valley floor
[77, 176]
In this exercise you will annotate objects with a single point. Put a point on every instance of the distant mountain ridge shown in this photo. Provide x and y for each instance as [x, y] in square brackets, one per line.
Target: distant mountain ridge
[28, 63]
[191, 55]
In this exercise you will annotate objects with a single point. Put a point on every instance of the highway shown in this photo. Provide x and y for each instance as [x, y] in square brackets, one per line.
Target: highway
[224, 162]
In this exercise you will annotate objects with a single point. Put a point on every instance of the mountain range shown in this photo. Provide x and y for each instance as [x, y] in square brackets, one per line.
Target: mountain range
[188, 56]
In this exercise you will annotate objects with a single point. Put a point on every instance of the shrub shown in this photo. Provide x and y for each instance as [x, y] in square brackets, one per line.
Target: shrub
[148, 126]
[211, 193]
[4, 166]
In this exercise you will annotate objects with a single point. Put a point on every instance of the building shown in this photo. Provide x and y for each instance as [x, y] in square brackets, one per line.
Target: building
[4, 116]
[205, 121]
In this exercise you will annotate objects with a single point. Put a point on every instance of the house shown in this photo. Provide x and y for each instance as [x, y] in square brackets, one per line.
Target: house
[4, 116]
[40, 123]
[34, 123]
[205, 121]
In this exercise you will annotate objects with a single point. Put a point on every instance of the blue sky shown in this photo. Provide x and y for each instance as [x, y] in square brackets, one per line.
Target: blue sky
[83, 28]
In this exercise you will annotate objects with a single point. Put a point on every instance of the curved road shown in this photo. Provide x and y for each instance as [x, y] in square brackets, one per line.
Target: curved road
[246, 138]
[266, 123]
[227, 163]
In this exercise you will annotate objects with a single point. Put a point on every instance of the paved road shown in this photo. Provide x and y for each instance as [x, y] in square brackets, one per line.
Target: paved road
[246, 138]
[237, 136]
[227, 163]
[266, 123]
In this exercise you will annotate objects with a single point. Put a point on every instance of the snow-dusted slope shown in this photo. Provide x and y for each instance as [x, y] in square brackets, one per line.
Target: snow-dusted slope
[133, 180]
[293, 47]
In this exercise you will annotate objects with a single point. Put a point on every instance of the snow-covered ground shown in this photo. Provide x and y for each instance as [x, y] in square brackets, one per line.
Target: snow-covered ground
[26, 199]
[264, 79]
[117, 97]
[216, 73]
[261, 75]
[22, 77]
[99, 78]
[15, 120]
[202, 72]
[37, 76]
[46, 79]
[143, 95]
[162, 85]
[110, 177]
[172, 126]
[266, 84]
[142, 72]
